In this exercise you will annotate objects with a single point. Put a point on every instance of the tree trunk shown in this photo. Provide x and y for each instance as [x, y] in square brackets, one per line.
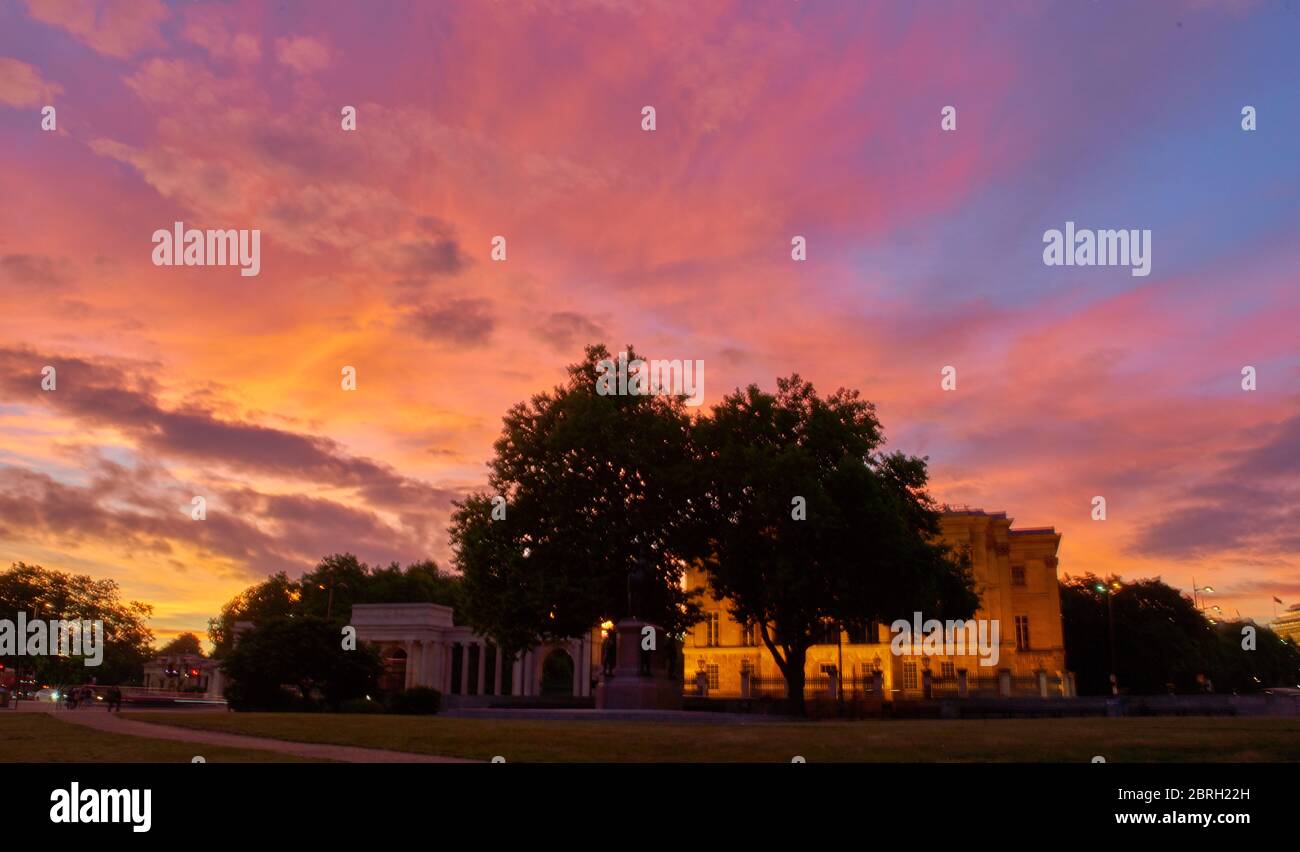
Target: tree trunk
[794, 677]
[791, 663]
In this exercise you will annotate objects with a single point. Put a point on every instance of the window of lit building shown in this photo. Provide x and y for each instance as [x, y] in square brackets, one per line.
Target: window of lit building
[909, 675]
[1022, 633]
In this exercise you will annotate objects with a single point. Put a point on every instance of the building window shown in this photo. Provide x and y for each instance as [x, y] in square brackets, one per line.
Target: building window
[749, 635]
[1022, 633]
[712, 626]
[713, 677]
[947, 670]
[909, 675]
[826, 633]
[1017, 575]
[863, 634]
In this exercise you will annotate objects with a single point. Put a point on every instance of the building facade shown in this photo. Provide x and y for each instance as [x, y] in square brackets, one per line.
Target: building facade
[422, 646]
[1287, 625]
[1015, 574]
[179, 673]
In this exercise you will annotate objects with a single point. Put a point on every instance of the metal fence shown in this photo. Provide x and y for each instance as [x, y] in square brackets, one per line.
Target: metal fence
[819, 686]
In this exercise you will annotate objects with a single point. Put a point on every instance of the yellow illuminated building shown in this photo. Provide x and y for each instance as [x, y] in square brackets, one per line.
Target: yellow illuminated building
[1015, 574]
[1287, 625]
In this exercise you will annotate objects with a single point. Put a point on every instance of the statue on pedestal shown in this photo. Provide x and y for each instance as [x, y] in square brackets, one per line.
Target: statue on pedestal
[609, 654]
[636, 587]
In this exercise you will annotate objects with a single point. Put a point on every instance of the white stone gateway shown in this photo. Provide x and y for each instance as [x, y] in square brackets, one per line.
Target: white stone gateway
[421, 645]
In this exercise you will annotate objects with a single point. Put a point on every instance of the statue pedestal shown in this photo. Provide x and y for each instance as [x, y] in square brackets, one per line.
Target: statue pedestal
[641, 680]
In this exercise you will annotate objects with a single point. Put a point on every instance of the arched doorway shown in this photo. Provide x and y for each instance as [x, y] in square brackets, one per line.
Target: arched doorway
[394, 677]
[557, 673]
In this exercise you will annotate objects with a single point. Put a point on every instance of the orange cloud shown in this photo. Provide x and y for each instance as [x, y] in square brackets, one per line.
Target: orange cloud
[21, 85]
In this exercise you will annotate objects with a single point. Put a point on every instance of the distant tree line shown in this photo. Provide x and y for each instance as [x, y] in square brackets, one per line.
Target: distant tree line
[1163, 643]
[43, 593]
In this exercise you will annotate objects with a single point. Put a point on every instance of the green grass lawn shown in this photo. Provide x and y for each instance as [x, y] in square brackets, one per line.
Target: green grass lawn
[1186, 739]
[41, 738]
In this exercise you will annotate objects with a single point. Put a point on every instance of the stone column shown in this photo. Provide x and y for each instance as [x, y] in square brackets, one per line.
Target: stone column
[432, 659]
[412, 649]
[417, 665]
[587, 651]
[496, 673]
[517, 675]
[575, 652]
[1042, 683]
[464, 668]
[1004, 683]
[482, 666]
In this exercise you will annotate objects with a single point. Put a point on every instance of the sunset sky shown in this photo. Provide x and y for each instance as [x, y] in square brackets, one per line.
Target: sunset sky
[523, 119]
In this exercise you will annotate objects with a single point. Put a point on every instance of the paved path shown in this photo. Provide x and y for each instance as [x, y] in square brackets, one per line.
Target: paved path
[114, 724]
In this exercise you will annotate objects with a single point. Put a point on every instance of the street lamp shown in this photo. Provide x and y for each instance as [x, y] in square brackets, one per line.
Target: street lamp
[1195, 600]
[1109, 591]
[329, 602]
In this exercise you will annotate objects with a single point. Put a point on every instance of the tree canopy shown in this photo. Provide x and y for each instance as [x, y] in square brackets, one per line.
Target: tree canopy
[805, 524]
[1163, 642]
[44, 593]
[303, 652]
[585, 488]
[185, 643]
[592, 485]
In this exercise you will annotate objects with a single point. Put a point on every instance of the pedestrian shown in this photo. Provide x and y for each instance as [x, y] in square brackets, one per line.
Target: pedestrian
[114, 699]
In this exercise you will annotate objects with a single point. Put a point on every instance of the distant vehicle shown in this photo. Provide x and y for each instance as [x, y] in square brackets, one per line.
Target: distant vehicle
[83, 695]
[49, 693]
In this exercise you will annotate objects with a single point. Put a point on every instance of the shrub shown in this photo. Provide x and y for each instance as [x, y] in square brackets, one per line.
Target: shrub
[361, 705]
[418, 701]
[258, 698]
[304, 655]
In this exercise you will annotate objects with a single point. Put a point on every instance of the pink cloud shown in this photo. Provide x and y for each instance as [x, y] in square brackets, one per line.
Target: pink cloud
[118, 28]
[304, 54]
[21, 85]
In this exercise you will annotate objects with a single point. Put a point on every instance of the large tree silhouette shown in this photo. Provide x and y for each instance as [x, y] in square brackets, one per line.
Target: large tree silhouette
[868, 548]
[592, 485]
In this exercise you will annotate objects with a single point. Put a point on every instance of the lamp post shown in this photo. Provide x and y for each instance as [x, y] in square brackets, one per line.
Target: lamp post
[1109, 592]
[1195, 589]
[329, 602]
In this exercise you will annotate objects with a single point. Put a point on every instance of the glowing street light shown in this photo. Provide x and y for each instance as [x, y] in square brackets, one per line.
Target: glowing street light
[1109, 591]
